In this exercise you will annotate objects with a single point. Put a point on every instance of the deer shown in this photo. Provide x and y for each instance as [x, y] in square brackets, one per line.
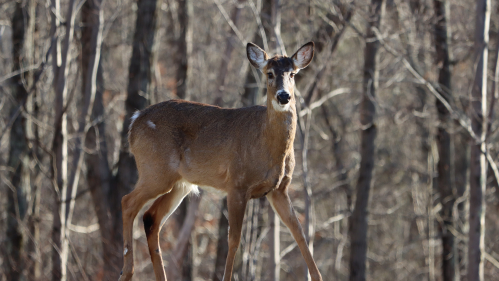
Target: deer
[245, 153]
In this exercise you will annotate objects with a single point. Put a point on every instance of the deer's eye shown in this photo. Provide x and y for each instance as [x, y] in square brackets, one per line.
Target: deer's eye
[292, 75]
[270, 75]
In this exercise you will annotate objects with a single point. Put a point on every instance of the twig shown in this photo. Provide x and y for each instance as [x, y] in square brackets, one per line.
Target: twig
[495, 92]
[260, 25]
[17, 72]
[84, 229]
[41, 68]
[231, 24]
[491, 259]
[462, 119]
[322, 100]
[493, 165]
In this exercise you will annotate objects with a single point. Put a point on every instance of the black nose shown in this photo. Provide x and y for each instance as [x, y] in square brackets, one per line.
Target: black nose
[283, 98]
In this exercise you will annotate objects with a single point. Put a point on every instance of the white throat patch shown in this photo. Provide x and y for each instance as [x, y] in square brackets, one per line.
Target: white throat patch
[279, 107]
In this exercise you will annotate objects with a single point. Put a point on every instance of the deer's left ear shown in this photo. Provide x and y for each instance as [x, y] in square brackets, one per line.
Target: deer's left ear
[304, 55]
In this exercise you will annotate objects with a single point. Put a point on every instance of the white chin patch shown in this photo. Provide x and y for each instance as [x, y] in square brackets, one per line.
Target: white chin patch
[280, 107]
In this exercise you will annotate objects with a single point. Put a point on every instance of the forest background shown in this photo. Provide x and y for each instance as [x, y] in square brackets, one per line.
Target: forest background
[397, 145]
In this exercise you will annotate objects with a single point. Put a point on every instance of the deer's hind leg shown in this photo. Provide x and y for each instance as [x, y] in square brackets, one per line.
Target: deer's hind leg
[154, 219]
[145, 190]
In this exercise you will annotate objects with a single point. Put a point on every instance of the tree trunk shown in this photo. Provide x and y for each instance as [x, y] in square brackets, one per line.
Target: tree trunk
[358, 220]
[226, 58]
[252, 90]
[249, 98]
[98, 171]
[18, 189]
[139, 80]
[60, 149]
[183, 43]
[32, 106]
[138, 87]
[274, 220]
[478, 161]
[91, 60]
[445, 167]
[183, 48]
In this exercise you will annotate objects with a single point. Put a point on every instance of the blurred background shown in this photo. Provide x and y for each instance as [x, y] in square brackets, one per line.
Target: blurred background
[396, 151]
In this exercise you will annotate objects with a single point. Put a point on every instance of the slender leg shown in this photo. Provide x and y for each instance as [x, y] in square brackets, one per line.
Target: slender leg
[236, 205]
[154, 218]
[281, 203]
[131, 204]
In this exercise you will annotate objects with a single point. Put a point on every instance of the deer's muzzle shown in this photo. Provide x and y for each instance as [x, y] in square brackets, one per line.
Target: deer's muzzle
[283, 97]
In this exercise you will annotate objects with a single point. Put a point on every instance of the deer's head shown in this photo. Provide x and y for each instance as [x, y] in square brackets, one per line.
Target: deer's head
[280, 72]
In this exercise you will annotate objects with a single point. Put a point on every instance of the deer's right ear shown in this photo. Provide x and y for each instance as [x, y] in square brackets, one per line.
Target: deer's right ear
[257, 57]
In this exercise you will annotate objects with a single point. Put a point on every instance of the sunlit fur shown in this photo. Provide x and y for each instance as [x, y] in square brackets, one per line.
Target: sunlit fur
[244, 153]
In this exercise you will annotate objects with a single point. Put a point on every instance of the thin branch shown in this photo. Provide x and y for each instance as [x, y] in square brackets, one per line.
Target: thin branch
[322, 100]
[38, 74]
[493, 165]
[495, 91]
[17, 72]
[260, 25]
[462, 119]
[84, 229]
[333, 219]
[491, 259]
[231, 24]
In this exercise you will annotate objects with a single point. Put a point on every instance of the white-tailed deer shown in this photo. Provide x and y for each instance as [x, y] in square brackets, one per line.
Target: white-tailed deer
[246, 153]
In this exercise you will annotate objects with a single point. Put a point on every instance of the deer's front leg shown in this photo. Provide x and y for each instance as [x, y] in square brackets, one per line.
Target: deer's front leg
[281, 203]
[236, 205]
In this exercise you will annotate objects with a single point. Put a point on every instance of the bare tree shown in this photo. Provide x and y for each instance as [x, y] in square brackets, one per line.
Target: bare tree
[358, 220]
[18, 186]
[60, 148]
[183, 46]
[138, 88]
[139, 80]
[223, 231]
[274, 221]
[226, 58]
[183, 268]
[445, 166]
[478, 159]
[98, 174]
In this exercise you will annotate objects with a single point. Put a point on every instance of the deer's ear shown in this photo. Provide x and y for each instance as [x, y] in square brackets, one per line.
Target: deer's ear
[257, 57]
[304, 55]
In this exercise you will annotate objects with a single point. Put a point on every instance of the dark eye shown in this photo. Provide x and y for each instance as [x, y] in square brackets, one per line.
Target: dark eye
[292, 74]
[270, 75]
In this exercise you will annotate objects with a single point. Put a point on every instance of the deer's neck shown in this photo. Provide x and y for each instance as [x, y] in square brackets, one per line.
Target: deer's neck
[280, 130]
